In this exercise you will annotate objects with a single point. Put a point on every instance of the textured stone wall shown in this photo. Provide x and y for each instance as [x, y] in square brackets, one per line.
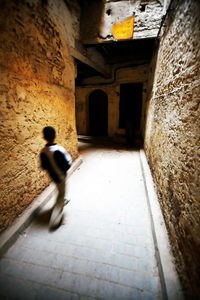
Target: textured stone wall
[82, 108]
[172, 137]
[124, 75]
[36, 89]
[97, 19]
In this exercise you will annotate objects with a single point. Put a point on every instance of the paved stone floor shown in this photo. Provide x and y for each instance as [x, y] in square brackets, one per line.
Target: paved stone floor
[103, 250]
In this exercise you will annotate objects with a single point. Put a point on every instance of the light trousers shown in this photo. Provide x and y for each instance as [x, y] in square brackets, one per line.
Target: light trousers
[62, 188]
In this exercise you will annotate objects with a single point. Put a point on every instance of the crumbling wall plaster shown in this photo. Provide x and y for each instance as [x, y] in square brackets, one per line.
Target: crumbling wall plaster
[146, 23]
[66, 15]
[172, 137]
[37, 89]
[82, 108]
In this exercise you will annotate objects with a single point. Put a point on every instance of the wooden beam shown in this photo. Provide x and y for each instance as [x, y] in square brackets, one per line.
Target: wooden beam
[84, 59]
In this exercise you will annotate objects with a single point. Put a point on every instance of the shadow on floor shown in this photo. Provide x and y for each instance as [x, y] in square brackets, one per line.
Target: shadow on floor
[42, 219]
[86, 142]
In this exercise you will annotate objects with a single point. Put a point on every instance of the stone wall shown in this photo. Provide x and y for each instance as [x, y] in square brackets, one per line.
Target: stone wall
[146, 25]
[82, 108]
[112, 89]
[36, 89]
[172, 137]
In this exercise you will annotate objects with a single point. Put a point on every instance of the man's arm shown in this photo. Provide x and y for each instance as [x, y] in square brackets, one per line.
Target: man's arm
[44, 161]
[45, 164]
[62, 161]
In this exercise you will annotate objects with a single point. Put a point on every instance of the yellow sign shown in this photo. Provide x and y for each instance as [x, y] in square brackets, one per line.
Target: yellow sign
[123, 30]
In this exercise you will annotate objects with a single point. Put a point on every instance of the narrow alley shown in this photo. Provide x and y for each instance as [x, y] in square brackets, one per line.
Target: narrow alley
[118, 82]
[105, 247]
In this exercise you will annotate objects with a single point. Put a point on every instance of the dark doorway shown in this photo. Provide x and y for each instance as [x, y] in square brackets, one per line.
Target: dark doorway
[130, 108]
[98, 113]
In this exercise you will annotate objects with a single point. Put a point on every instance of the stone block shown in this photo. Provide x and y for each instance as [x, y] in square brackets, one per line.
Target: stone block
[81, 285]
[105, 290]
[122, 292]
[16, 288]
[92, 288]
[126, 277]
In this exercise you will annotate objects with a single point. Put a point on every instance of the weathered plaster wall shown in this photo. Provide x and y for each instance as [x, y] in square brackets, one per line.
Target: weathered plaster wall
[172, 138]
[129, 75]
[82, 108]
[36, 89]
[146, 22]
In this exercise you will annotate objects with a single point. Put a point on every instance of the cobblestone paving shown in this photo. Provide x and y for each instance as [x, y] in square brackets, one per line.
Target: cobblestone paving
[103, 250]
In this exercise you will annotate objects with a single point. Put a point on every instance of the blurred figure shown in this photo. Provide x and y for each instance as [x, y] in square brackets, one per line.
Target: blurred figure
[56, 161]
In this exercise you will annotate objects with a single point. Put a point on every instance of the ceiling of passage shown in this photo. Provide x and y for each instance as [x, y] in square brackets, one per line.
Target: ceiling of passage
[129, 52]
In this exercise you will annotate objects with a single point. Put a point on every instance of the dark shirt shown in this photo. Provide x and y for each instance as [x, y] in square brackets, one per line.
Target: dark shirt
[56, 160]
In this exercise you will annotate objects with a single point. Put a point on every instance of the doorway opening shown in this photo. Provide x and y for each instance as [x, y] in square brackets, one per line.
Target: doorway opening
[98, 113]
[130, 109]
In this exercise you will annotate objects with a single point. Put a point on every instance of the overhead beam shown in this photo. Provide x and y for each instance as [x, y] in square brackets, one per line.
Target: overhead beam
[84, 59]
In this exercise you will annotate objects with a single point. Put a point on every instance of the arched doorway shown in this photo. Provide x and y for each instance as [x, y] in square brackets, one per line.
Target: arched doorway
[98, 113]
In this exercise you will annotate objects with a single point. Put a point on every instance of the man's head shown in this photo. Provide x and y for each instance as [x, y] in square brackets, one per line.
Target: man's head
[49, 133]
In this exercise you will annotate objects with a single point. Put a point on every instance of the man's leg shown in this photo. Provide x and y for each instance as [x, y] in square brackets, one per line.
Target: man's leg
[66, 194]
[56, 215]
[61, 187]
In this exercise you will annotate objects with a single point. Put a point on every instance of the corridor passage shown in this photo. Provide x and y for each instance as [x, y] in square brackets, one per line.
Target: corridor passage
[104, 248]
